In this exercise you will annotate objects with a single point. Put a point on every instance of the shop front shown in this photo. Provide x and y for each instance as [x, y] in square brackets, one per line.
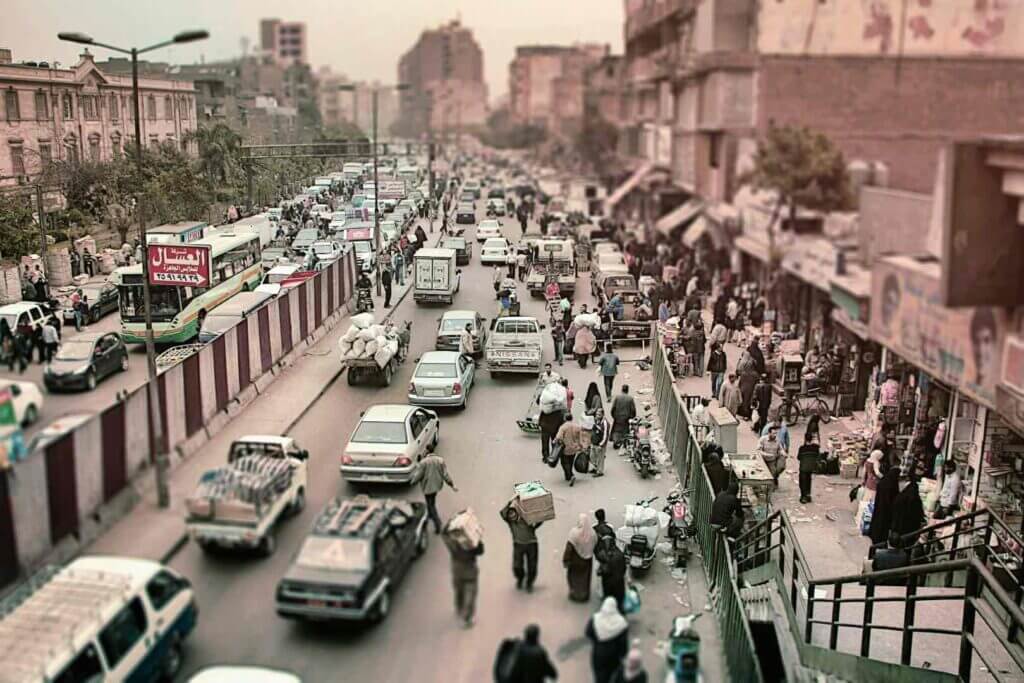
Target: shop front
[851, 295]
[940, 376]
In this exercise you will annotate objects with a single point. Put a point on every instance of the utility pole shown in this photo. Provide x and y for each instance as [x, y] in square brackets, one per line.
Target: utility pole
[42, 228]
[430, 183]
[376, 195]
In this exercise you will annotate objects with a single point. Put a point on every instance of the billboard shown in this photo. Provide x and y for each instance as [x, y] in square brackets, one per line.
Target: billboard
[183, 265]
[958, 346]
[392, 189]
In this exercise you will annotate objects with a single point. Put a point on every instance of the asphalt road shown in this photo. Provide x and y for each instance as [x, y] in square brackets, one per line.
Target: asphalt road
[486, 453]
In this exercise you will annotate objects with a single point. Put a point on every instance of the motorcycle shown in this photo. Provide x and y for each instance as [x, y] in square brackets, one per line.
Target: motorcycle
[681, 526]
[638, 447]
[683, 654]
[640, 532]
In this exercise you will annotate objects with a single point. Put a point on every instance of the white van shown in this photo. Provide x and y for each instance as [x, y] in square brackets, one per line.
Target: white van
[230, 313]
[97, 619]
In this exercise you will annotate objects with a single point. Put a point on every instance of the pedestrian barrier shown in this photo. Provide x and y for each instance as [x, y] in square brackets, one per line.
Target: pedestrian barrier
[63, 495]
[737, 641]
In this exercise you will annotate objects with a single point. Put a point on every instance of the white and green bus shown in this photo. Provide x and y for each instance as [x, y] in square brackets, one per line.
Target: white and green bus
[178, 312]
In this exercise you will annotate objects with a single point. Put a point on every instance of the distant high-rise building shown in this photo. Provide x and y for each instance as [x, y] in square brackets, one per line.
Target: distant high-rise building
[354, 106]
[546, 83]
[444, 71]
[285, 41]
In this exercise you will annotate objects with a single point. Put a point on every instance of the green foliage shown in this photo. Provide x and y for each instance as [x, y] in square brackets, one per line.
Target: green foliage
[596, 143]
[504, 133]
[18, 231]
[802, 167]
[219, 150]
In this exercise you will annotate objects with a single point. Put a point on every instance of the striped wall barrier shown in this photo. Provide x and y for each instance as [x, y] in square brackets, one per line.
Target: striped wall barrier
[68, 491]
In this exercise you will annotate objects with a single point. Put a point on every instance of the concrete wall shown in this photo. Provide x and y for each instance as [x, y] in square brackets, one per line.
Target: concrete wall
[893, 222]
[896, 111]
[878, 27]
[66, 493]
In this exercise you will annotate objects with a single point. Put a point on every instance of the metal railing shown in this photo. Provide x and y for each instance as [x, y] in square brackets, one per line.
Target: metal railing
[737, 642]
[819, 603]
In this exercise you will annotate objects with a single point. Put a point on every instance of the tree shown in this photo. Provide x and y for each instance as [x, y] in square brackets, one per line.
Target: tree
[219, 149]
[503, 132]
[801, 168]
[18, 230]
[597, 143]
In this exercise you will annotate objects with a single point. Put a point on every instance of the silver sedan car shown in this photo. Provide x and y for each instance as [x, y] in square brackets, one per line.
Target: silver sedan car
[442, 378]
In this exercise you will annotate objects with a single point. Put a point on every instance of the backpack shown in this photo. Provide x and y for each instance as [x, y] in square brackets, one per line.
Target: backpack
[505, 660]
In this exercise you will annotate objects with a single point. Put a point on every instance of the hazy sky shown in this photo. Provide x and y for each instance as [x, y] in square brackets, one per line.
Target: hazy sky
[363, 38]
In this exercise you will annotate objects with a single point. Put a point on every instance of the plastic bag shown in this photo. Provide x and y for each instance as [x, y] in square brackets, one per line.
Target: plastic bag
[631, 601]
[554, 454]
[582, 462]
[552, 398]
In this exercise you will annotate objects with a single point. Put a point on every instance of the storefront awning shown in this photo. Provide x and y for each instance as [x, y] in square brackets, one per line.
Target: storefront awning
[857, 327]
[625, 188]
[755, 248]
[682, 214]
[705, 226]
[695, 232]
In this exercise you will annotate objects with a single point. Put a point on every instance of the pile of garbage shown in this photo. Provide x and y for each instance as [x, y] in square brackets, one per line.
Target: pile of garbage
[365, 340]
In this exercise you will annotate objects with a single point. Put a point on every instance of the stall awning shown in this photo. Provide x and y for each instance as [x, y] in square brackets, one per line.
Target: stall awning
[704, 226]
[857, 327]
[625, 188]
[682, 214]
[755, 248]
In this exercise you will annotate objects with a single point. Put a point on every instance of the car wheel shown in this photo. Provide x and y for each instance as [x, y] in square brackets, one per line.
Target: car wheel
[173, 660]
[299, 504]
[383, 606]
[268, 544]
[465, 401]
[124, 362]
[94, 316]
[422, 542]
[31, 415]
[90, 380]
[350, 376]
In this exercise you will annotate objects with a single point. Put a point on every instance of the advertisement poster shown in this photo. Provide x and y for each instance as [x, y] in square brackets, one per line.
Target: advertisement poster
[179, 265]
[957, 346]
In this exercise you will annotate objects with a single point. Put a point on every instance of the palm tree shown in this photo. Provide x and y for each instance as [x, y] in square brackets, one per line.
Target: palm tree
[219, 147]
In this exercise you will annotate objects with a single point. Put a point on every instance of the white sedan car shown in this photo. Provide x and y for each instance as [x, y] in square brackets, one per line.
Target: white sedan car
[442, 378]
[495, 250]
[388, 442]
[488, 229]
[26, 401]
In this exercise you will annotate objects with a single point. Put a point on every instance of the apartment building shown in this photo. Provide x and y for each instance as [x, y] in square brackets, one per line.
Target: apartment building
[546, 84]
[284, 41]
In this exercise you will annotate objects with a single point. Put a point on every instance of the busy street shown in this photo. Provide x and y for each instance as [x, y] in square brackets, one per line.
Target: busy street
[660, 341]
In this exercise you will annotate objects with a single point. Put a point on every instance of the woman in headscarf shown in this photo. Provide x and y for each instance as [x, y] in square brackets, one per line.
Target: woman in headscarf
[632, 670]
[908, 511]
[754, 349]
[578, 559]
[869, 484]
[885, 497]
[608, 630]
[584, 345]
[593, 398]
[612, 569]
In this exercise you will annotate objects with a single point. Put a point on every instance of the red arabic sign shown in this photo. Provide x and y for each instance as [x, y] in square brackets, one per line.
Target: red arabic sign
[356, 234]
[179, 265]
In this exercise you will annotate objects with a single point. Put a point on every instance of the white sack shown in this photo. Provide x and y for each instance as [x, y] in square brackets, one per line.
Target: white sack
[553, 397]
[362, 320]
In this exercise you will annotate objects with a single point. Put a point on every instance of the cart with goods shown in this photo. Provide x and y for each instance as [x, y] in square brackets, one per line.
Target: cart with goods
[372, 352]
[530, 422]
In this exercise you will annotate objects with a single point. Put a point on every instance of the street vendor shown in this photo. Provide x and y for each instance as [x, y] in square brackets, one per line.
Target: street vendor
[771, 450]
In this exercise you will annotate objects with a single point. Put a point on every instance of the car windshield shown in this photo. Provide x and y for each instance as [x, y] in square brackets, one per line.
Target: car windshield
[380, 432]
[494, 243]
[75, 349]
[323, 248]
[468, 208]
[490, 224]
[241, 449]
[361, 247]
[517, 327]
[307, 234]
[454, 324]
[435, 370]
[325, 552]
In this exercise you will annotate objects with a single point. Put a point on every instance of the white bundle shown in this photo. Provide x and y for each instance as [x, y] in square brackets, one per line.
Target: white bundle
[553, 397]
[587, 320]
[351, 354]
[366, 334]
[359, 347]
[377, 330]
[344, 346]
[381, 341]
[351, 334]
[362, 320]
[371, 347]
[383, 356]
[392, 346]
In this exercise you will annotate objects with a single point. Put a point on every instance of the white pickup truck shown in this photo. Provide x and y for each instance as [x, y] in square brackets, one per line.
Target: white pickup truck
[238, 505]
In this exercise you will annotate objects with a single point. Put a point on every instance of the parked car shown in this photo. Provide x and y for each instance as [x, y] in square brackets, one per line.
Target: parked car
[26, 312]
[388, 442]
[304, 239]
[442, 378]
[26, 400]
[487, 229]
[515, 345]
[451, 325]
[353, 560]
[84, 361]
[495, 207]
[465, 213]
[101, 298]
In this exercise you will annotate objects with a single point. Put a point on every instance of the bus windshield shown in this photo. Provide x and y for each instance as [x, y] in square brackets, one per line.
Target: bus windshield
[166, 301]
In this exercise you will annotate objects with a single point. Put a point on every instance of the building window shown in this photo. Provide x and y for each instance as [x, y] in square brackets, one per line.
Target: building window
[115, 146]
[715, 150]
[45, 154]
[11, 105]
[115, 108]
[151, 105]
[94, 148]
[42, 107]
[67, 107]
[88, 107]
[183, 108]
[168, 109]
[71, 149]
[184, 146]
[18, 160]
[154, 141]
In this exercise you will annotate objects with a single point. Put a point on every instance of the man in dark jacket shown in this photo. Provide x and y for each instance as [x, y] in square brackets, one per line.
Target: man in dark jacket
[465, 575]
[550, 423]
[808, 457]
[716, 472]
[717, 363]
[611, 568]
[524, 546]
[763, 401]
[385, 280]
[727, 512]
[531, 662]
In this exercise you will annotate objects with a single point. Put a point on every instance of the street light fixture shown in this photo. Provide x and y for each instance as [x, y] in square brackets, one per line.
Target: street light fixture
[156, 423]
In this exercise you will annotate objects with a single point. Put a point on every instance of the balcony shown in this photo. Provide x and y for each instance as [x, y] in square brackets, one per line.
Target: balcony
[653, 14]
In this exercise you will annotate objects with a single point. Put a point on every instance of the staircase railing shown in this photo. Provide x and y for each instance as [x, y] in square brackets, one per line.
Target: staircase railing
[819, 603]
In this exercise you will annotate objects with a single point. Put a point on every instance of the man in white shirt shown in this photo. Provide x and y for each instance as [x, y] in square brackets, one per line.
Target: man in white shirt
[949, 497]
[467, 342]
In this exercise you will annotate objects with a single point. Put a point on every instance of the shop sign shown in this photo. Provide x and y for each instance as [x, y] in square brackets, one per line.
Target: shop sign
[179, 265]
[958, 346]
[1012, 374]
[813, 260]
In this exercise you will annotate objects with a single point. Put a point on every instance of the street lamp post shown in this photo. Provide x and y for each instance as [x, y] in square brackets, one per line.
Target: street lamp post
[155, 418]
